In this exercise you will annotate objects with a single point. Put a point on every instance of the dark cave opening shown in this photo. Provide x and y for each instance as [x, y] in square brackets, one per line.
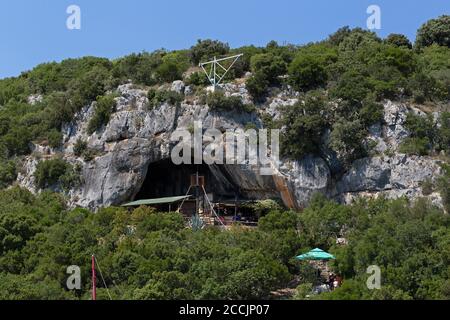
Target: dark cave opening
[165, 179]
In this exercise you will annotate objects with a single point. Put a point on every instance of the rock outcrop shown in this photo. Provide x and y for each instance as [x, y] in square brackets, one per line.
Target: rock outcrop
[136, 137]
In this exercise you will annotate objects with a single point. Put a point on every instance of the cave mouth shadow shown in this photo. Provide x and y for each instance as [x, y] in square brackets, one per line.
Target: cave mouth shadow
[165, 179]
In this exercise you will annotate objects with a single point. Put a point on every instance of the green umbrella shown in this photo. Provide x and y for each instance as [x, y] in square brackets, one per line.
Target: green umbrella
[316, 254]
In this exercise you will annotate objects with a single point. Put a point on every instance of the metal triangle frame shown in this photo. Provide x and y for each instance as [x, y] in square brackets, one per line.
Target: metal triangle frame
[215, 76]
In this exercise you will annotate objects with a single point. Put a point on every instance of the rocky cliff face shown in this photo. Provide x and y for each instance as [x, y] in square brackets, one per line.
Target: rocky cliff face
[136, 137]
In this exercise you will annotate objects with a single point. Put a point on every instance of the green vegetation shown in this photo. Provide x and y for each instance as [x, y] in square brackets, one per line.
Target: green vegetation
[144, 254]
[444, 187]
[197, 79]
[398, 40]
[408, 242]
[50, 173]
[8, 173]
[217, 101]
[305, 123]
[80, 147]
[427, 135]
[103, 110]
[158, 97]
[434, 31]
[355, 69]
[266, 69]
[208, 49]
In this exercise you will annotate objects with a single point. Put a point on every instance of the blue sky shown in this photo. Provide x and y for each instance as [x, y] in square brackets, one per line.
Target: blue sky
[34, 31]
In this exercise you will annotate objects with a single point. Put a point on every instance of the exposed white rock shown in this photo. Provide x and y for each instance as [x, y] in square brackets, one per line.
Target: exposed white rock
[137, 136]
[34, 98]
[25, 177]
[178, 86]
[394, 118]
[392, 177]
[307, 176]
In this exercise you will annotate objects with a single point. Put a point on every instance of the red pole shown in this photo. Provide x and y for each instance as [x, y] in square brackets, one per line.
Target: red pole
[94, 291]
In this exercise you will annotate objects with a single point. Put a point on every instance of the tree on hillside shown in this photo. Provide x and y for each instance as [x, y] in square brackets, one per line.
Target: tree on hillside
[398, 40]
[434, 31]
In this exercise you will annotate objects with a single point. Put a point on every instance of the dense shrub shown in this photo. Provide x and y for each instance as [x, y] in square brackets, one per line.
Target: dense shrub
[443, 185]
[168, 71]
[104, 107]
[398, 40]
[266, 69]
[198, 78]
[347, 139]
[415, 146]
[90, 85]
[257, 86]
[79, 147]
[158, 97]
[423, 134]
[305, 123]
[158, 258]
[270, 65]
[434, 31]
[51, 172]
[55, 138]
[207, 49]
[8, 173]
[307, 72]
[217, 101]
[443, 132]
[355, 39]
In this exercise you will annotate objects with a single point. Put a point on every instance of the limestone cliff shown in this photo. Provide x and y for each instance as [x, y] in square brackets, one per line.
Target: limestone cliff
[136, 137]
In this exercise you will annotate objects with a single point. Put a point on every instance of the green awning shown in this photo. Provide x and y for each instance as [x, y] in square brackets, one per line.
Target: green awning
[155, 201]
[316, 254]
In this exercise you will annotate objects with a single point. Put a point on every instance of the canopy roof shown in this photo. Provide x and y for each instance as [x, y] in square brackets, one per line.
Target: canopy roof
[316, 254]
[155, 201]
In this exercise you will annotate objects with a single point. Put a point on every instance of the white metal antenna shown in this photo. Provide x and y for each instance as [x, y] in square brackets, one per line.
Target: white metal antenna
[217, 71]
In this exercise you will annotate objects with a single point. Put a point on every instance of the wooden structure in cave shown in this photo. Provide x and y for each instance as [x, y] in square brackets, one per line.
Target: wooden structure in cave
[199, 205]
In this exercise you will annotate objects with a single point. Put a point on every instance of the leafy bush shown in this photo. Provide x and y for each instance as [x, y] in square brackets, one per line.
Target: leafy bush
[352, 87]
[257, 86]
[140, 68]
[158, 97]
[266, 69]
[423, 135]
[432, 81]
[103, 109]
[90, 85]
[427, 187]
[264, 207]
[347, 140]
[198, 79]
[355, 39]
[207, 49]
[307, 72]
[55, 138]
[79, 147]
[443, 185]
[434, 31]
[217, 101]
[8, 173]
[305, 123]
[168, 71]
[398, 40]
[50, 172]
[269, 65]
[416, 146]
[444, 132]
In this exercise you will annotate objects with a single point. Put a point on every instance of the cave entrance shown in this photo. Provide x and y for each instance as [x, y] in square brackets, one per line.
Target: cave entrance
[165, 179]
